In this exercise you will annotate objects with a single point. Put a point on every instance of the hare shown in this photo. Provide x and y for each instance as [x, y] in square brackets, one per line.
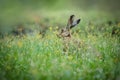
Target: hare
[65, 34]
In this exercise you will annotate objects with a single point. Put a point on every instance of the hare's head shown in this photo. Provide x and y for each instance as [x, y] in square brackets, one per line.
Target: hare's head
[71, 23]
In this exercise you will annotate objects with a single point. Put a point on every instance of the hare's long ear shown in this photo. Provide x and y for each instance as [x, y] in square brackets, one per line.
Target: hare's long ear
[70, 21]
[75, 23]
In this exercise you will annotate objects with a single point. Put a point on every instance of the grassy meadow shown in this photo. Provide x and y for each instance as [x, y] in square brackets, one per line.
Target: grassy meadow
[33, 57]
[38, 53]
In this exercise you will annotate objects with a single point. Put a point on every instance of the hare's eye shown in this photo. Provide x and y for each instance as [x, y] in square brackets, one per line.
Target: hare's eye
[62, 30]
[68, 35]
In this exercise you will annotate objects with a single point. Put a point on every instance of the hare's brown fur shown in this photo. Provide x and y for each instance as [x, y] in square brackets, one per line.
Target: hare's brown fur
[66, 34]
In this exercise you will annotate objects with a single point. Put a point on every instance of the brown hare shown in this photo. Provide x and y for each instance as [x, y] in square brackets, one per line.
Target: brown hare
[66, 34]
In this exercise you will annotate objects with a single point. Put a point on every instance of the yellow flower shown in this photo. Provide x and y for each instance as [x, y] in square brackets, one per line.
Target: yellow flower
[92, 27]
[56, 27]
[9, 46]
[70, 57]
[38, 36]
[50, 28]
[56, 52]
[119, 24]
[19, 43]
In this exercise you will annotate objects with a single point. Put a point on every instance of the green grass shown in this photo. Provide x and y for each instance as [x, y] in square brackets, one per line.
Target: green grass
[37, 58]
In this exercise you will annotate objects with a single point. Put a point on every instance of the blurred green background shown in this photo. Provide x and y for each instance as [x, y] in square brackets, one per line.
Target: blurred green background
[13, 12]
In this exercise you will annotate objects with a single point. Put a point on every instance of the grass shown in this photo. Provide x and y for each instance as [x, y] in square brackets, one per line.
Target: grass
[37, 58]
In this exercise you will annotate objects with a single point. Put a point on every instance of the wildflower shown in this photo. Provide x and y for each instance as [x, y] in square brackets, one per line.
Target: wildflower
[50, 28]
[38, 36]
[56, 27]
[56, 52]
[9, 46]
[119, 24]
[70, 57]
[92, 27]
[19, 43]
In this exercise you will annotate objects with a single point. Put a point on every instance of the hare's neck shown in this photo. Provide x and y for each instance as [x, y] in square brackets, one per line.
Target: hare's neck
[67, 38]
